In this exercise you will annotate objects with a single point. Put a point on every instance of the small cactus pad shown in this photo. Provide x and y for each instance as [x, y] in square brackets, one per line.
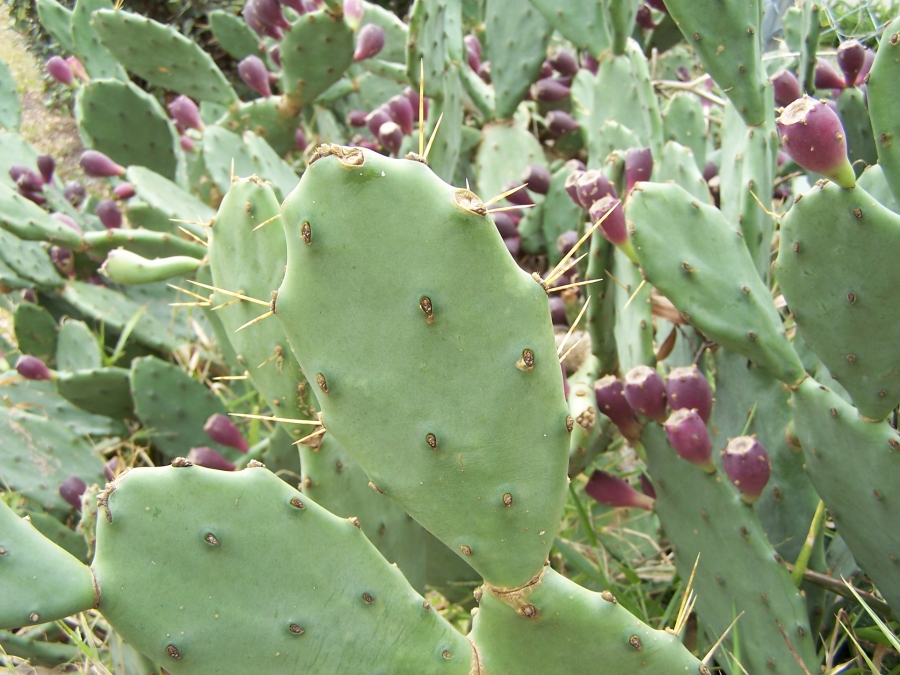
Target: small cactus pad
[884, 104]
[102, 391]
[186, 560]
[388, 349]
[831, 229]
[582, 22]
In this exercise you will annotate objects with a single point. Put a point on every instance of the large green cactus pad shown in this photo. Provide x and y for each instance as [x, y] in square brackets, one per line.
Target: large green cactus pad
[583, 22]
[884, 104]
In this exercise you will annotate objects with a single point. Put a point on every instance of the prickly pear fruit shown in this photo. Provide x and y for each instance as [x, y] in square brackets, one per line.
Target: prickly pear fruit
[786, 88]
[608, 212]
[71, 490]
[537, 179]
[391, 136]
[375, 119]
[265, 18]
[688, 388]
[638, 166]
[223, 431]
[550, 90]
[563, 62]
[561, 122]
[401, 110]
[519, 197]
[646, 393]
[611, 401]
[254, 74]
[32, 368]
[746, 463]
[98, 165]
[473, 51]
[109, 214]
[687, 433]
[186, 113]
[124, 191]
[74, 192]
[369, 42]
[851, 57]
[616, 492]
[46, 166]
[209, 458]
[59, 70]
[812, 134]
[592, 186]
[827, 77]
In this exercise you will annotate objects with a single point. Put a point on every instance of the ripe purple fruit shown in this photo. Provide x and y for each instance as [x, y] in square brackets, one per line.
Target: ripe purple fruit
[549, 90]
[401, 111]
[646, 393]
[74, 192]
[827, 77]
[46, 166]
[561, 122]
[786, 87]
[357, 118]
[109, 214]
[391, 136]
[32, 368]
[563, 62]
[59, 70]
[687, 387]
[519, 197]
[223, 431]
[369, 42]
[537, 179]
[851, 57]
[687, 433]
[63, 260]
[71, 490]
[746, 464]
[644, 18]
[616, 492]
[505, 225]
[63, 218]
[611, 401]
[186, 113]
[558, 311]
[608, 212]
[265, 18]
[812, 134]
[98, 165]
[592, 185]
[638, 167]
[254, 74]
[473, 51]
[210, 459]
[300, 141]
[124, 191]
[376, 118]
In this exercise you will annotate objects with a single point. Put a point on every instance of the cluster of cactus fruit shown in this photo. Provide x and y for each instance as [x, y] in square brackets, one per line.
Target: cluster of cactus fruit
[613, 260]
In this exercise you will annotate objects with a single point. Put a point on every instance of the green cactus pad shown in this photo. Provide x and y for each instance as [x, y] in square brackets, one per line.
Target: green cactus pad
[556, 627]
[39, 581]
[315, 53]
[76, 347]
[726, 36]
[861, 147]
[36, 331]
[143, 242]
[601, 313]
[697, 260]
[678, 165]
[396, 32]
[162, 56]
[737, 571]
[47, 525]
[621, 22]
[683, 122]
[57, 21]
[506, 150]
[226, 156]
[175, 559]
[168, 199]
[519, 36]
[233, 34]
[445, 150]
[269, 166]
[830, 229]
[634, 323]
[855, 466]
[129, 125]
[884, 104]
[584, 23]
[425, 443]
[97, 60]
[10, 281]
[29, 260]
[103, 391]
[27, 220]
[10, 114]
[589, 437]
[428, 42]
[264, 117]
[561, 214]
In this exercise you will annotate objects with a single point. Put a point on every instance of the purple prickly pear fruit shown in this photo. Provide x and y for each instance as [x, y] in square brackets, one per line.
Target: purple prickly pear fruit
[59, 70]
[827, 77]
[114, 467]
[187, 143]
[71, 490]
[98, 165]
[28, 295]
[254, 74]
[647, 487]
[223, 431]
[558, 311]
[563, 62]
[369, 42]
[811, 133]
[590, 63]
[609, 210]
[687, 387]
[124, 191]
[77, 68]
[566, 241]
[646, 393]
[63, 260]
[300, 141]
[537, 179]
[16, 171]
[361, 142]
[616, 492]
[571, 186]
[63, 218]
[376, 118]
[36, 197]
[297, 6]
[638, 167]
[484, 72]
[658, 5]
[505, 225]
[357, 118]
[611, 402]
[746, 464]
[710, 171]
[549, 90]
[867, 66]
[46, 166]
[513, 244]
[209, 458]
[185, 112]
[109, 214]
[687, 433]
[353, 12]
[275, 55]
[265, 18]
[26, 179]
[515, 215]
[519, 197]
[391, 136]
[413, 97]
[74, 192]
[401, 111]
[644, 18]
[32, 368]
[473, 51]
[786, 88]
[560, 122]
[592, 186]
[851, 57]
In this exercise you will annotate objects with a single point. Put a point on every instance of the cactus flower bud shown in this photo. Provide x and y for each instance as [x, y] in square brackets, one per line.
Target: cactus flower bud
[401, 111]
[851, 57]
[369, 41]
[826, 77]
[563, 62]
[593, 186]
[265, 18]
[519, 197]
[63, 218]
[812, 134]
[561, 122]
[124, 191]
[210, 459]
[254, 74]
[687, 433]
[46, 166]
[74, 192]
[98, 165]
[616, 492]
[376, 118]
[59, 70]
[646, 393]
[746, 464]
[109, 214]
[549, 90]
[611, 402]
[786, 88]
[638, 167]
[473, 51]
[391, 136]
[71, 490]
[184, 111]
[223, 431]
[32, 368]
[687, 387]
[537, 179]
[275, 55]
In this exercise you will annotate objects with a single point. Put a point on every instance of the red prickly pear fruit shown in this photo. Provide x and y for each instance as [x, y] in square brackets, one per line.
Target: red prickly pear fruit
[187, 143]
[611, 401]
[592, 186]
[560, 122]
[647, 487]
[353, 12]
[357, 118]
[537, 179]
[59, 70]
[571, 186]
[391, 136]
[851, 57]
[616, 492]
[563, 62]
[124, 191]
[505, 225]
[608, 212]
[658, 5]
[98, 165]
[361, 142]
[566, 240]
[265, 18]
[710, 171]
[638, 167]
[185, 112]
[484, 72]
[812, 134]
[46, 166]
[519, 197]
[376, 118]
[254, 74]
[62, 260]
[867, 66]
[114, 467]
[32, 368]
[826, 77]
[413, 97]
[644, 18]
[473, 51]
[300, 141]
[786, 87]
[109, 214]
[63, 218]
[550, 90]
[746, 464]
[74, 192]
[71, 490]
[36, 197]
[401, 111]
[77, 68]
[687, 387]
[369, 41]
[590, 63]
[575, 165]
[687, 433]
[275, 55]
[209, 458]
[558, 311]
[26, 179]
[646, 393]
[223, 431]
